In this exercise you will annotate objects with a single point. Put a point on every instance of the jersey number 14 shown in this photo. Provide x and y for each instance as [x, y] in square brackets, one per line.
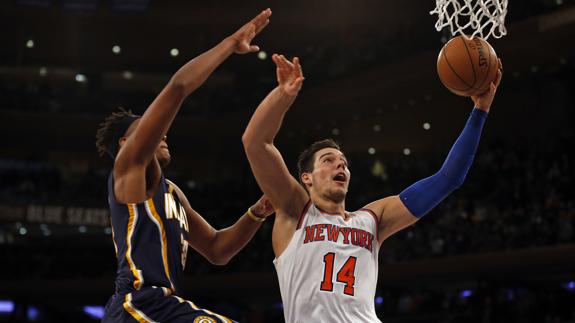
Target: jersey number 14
[345, 275]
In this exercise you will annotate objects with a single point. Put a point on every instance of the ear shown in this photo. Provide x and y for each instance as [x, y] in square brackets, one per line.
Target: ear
[121, 141]
[306, 179]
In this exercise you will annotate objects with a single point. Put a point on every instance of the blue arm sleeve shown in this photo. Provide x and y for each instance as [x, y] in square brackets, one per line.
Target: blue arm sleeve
[423, 196]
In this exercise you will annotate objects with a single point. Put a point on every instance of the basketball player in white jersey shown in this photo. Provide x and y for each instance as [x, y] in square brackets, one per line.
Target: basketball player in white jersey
[326, 256]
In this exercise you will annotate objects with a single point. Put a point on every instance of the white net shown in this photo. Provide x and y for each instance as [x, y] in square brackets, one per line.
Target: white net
[482, 18]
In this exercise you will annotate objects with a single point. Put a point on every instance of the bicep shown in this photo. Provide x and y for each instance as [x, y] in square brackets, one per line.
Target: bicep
[393, 216]
[275, 180]
[200, 233]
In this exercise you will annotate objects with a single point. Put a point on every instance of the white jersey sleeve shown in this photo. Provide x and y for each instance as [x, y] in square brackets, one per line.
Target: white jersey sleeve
[328, 272]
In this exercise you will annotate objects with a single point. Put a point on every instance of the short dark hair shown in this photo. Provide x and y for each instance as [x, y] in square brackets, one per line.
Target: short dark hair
[112, 129]
[305, 160]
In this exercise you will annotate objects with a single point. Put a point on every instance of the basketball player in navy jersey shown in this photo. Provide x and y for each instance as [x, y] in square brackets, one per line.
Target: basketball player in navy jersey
[326, 256]
[153, 223]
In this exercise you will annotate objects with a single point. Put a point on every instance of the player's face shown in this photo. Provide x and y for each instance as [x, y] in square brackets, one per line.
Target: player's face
[330, 175]
[163, 153]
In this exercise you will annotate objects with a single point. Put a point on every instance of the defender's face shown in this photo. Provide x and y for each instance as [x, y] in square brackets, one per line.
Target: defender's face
[163, 153]
[330, 176]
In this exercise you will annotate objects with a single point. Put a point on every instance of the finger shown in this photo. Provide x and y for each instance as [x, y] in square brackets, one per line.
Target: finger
[288, 64]
[278, 60]
[284, 62]
[275, 59]
[298, 83]
[262, 26]
[254, 48]
[498, 78]
[299, 72]
[500, 64]
[261, 18]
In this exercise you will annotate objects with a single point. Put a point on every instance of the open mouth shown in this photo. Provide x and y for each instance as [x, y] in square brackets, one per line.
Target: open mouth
[340, 178]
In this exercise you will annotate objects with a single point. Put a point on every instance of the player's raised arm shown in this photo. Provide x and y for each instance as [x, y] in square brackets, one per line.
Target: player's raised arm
[156, 121]
[400, 211]
[266, 162]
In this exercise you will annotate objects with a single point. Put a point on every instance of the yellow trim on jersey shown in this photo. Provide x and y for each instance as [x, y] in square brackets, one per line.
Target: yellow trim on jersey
[150, 207]
[137, 314]
[131, 225]
[114, 238]
[194, 306]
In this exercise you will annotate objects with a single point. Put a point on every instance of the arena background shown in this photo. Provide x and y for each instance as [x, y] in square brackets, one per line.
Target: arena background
[500, 249]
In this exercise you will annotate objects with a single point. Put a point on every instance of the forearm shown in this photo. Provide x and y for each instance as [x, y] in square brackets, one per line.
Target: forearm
[267, 119]
[229, 241]
[194, 73]
[159, 116]
[423, 196]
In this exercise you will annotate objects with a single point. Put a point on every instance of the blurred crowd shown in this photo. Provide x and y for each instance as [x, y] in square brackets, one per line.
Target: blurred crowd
[515, 197]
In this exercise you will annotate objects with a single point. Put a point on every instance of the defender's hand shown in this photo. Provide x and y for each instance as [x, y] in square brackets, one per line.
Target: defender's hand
[263, 207]
[289, 74]
[244, 36]
[484, 101]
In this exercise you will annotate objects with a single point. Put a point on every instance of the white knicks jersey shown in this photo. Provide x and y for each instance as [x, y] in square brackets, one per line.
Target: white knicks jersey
[328, 272]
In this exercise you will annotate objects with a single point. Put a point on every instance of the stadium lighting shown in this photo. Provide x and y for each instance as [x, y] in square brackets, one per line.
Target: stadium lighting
[80, 78]
[6, 306]
[32, 313]
[127, 75]
[96, 312]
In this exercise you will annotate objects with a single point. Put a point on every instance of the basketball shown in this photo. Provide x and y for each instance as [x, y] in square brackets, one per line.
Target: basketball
[467, 66]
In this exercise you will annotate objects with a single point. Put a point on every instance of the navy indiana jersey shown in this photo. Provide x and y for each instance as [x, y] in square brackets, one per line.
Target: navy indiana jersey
[150, 240]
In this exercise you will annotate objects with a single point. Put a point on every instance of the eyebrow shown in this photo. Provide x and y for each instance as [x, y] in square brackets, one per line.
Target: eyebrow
[331, 153]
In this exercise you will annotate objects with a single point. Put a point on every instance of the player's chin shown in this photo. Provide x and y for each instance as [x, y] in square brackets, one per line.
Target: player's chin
[338, 195]
[164, 159]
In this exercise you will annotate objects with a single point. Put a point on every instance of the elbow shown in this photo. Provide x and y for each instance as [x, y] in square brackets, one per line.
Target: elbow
[180, 87]
[251, 145]
[219, 260]
[455, 182]
[246, 139]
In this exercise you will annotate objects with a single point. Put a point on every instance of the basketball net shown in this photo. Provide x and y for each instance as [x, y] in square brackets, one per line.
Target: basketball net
[481, 18]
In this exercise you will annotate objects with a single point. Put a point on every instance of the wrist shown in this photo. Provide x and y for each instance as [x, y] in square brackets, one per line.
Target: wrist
[484, 109]
[255, 217]
[284, 94]
[229, 43]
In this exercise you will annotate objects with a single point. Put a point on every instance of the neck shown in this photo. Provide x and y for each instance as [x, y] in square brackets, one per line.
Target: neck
[153, 173]
[328, 205]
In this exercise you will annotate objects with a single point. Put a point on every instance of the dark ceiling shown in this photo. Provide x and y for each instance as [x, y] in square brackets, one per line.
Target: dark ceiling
[367, 63]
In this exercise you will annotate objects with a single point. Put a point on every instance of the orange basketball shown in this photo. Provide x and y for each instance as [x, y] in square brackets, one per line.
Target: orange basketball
[467, 66]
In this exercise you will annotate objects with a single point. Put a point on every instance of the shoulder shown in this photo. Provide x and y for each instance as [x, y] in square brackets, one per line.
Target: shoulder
[173, 188]
[378, 207]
